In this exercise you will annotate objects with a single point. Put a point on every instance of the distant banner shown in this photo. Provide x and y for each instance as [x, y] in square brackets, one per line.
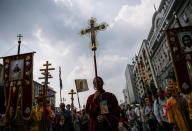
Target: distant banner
[180, 44]
[81, 85]
[18, 82]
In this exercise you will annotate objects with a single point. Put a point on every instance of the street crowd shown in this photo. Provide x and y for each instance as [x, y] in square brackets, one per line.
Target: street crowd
[164, 111]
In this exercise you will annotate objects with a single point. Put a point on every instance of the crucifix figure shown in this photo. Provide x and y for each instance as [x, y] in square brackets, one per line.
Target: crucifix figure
[19, 43]
[92, 31]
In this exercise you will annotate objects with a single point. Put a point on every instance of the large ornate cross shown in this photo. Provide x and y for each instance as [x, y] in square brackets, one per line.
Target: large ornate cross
[92, 30]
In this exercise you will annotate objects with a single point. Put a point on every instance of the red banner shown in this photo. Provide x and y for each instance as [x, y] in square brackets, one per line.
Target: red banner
[18, 84]
[180, 44]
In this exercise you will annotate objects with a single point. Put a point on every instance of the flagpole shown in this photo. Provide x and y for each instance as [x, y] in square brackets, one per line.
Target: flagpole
[60, 83]
[78, 99]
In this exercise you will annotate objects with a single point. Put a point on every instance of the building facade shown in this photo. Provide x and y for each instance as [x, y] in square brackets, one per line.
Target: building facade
[143, 70]
[36, 91]
[130, 92]
[156, 42]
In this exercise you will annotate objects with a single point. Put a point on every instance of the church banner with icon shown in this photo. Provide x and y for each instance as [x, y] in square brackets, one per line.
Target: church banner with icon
[18, 84]
[180, 45]
[81, 85]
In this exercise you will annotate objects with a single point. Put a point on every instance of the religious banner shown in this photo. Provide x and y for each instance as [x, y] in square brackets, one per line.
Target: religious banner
[180, 44]
[18, 82]
[81, 85]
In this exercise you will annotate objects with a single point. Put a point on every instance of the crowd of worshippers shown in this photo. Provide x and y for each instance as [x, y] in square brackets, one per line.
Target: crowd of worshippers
[166, 111]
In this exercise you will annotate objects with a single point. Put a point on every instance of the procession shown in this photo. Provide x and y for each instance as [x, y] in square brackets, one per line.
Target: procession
[133, 77]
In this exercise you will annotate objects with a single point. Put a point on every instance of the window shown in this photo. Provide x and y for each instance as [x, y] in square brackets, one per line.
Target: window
[184, 16]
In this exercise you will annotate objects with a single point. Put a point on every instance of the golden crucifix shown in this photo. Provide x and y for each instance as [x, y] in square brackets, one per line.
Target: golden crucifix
[47, 75]
[92, 30]
[72, 98]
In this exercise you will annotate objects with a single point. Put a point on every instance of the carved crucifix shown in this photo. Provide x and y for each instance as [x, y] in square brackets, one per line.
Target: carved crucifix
[92, 30]
[19, 43]
[72, 98]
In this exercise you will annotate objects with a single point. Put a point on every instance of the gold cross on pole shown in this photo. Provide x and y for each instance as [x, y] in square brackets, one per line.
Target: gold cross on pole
[92, 31]
[72, 99]
[19, 43]
[47, 75]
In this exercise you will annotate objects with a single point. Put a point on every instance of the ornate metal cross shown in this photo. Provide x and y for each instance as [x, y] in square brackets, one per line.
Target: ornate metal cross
[92, 30]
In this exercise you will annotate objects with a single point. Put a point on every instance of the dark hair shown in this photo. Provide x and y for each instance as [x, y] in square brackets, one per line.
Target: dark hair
[98, 77]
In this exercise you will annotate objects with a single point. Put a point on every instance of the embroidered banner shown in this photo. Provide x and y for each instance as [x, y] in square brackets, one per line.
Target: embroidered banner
[18, 84]
[180, 45]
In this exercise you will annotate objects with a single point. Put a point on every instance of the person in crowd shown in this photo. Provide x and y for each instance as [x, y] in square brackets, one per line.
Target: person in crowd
[159, 111]
[131, 116]
[121, 126]
[64, 119]
[138, 115]
[68, 107]
[53, 123]
[177, 111]
[41, 116]
[102, 108]
[150, 116]
[84, 119]
[76, 120]
[142, 114]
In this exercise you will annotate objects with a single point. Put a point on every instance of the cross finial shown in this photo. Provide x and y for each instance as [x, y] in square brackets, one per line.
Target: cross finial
[92, 29]
[19, 36]
[19, 43]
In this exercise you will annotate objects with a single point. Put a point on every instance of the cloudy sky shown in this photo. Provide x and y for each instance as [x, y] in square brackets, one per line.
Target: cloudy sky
[50, 28]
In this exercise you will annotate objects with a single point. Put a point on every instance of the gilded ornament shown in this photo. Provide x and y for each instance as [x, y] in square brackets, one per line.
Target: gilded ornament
[11, 84]
[6, 66]
[27, 73]
[27, 82]
[19, 83]
[7, 61]
[27, 110]
[27, 63]
[27, 58]
[14, 89]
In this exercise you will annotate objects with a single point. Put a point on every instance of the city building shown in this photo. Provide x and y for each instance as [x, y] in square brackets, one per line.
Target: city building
[143, 70]
[156, 42]
[130, 93]
[36, 91]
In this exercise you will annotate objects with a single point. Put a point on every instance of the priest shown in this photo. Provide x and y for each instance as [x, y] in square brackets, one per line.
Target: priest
[102, 108]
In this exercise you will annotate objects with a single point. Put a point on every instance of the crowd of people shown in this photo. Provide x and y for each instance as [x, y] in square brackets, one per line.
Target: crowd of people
[165, 111]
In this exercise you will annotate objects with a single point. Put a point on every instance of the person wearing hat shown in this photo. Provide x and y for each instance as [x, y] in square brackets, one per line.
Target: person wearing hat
[177, 110]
